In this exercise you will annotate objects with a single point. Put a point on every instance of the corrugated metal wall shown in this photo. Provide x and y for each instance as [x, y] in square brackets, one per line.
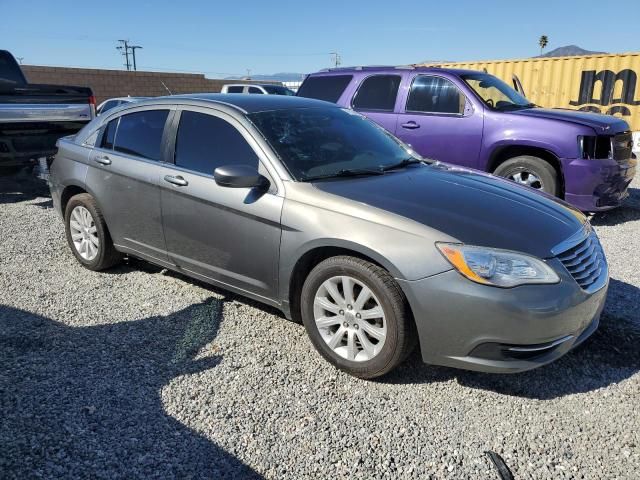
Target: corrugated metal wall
[607, 84]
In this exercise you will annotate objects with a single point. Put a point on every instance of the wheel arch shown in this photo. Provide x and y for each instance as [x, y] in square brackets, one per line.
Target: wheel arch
[316, 254]
[503, 153]
[68, 192]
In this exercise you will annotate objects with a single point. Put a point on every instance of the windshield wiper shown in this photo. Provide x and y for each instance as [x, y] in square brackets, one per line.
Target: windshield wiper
[347, 172]
[401, 164]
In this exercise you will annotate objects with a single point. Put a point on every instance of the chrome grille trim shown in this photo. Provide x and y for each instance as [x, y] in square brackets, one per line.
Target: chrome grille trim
[583, 257]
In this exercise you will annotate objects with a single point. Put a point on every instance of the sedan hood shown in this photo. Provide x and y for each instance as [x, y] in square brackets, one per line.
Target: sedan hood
[602, 124]
[471, 206]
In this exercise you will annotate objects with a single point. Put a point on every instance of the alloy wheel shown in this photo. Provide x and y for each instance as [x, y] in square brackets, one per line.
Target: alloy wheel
[350, 318]
[84, 233]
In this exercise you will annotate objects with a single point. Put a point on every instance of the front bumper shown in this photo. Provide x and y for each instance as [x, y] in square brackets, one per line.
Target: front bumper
[466, 325]
[596, 185]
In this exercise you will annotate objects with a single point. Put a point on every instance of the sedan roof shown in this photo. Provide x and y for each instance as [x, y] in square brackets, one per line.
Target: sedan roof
[250, 103]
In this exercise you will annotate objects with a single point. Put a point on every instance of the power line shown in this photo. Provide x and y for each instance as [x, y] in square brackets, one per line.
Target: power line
[125, 48]
[337, 59]
[133, 53]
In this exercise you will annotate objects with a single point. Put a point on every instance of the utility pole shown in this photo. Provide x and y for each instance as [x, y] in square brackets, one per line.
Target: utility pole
[248, 74]
[337, 60]
[124, 48]
[20, 60]
[133, 53]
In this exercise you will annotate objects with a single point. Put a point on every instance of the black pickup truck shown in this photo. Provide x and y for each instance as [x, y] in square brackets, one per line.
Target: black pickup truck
[33, 117]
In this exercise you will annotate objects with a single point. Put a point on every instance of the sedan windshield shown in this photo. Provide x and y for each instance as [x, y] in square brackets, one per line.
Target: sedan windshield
[495, 93]
[315, 143]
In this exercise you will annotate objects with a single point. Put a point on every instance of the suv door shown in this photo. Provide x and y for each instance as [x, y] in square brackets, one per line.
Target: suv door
[439, 122]
[230, 236]
[376, 98]
[123, 177]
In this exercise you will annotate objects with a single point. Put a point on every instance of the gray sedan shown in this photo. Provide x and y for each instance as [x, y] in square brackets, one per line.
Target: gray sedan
[317, 211]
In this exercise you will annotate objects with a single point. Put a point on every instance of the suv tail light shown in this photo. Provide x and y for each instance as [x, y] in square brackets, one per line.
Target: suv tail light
[92, 102]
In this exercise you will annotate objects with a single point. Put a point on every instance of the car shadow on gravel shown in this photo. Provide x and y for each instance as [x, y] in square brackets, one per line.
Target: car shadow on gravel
[609, 356]
[85, 402]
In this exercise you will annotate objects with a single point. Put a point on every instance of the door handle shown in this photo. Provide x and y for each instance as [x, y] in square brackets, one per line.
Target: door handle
[103, 160]
[410, 125]
[178, 180]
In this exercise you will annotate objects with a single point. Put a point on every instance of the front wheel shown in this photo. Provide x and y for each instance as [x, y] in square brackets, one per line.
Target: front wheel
[357, 317]
[533, 172]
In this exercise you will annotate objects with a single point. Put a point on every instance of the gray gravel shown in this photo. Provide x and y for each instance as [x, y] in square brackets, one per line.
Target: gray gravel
[142, 373]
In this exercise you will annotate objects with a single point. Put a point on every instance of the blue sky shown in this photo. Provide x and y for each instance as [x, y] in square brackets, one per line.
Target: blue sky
[221, 38]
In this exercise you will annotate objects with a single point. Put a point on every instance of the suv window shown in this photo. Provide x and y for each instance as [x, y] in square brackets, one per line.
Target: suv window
[434, 95]
[254, 90]
[236, 89]
[205, 142]
[377, 92]
[328, 88]
[140, 133]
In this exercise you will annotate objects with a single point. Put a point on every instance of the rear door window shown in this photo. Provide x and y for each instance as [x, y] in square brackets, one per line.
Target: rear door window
[205, 142]
[328, 88]
[377, 92]
[235, 89]
[430, 94]
[140, 134]
[255, 90]
[109, 134]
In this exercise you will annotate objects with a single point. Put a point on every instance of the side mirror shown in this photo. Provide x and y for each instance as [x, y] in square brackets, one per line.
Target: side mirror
[239, 176]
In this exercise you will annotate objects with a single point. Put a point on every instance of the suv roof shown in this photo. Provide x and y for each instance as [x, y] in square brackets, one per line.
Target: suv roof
[391, 68]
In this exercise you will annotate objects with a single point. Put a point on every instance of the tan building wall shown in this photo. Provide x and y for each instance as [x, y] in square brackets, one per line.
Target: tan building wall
[120, 83]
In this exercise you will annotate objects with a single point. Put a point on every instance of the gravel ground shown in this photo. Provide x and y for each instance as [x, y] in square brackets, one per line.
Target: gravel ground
[142, 373]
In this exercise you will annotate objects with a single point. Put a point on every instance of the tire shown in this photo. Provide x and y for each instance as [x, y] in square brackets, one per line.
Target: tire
[400, 334]
[100, 256]
[527, 168]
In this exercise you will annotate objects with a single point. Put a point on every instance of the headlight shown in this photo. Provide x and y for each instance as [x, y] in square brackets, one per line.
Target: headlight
[500, 268]
[594, 147]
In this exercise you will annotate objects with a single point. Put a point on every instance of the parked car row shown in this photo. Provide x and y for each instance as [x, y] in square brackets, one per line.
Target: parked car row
[476, 120]
[320, 212]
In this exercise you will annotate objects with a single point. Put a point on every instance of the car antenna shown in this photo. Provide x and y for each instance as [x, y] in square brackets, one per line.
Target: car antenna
[166, 88]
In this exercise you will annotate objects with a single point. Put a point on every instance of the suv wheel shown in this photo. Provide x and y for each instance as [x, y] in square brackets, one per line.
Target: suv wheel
[357, 316]
[87, 233]
[532, 172]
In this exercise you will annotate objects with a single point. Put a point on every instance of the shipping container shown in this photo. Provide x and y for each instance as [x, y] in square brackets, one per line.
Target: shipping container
[602, 83]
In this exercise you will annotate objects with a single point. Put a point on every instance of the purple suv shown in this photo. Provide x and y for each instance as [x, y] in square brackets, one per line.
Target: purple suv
[476, 120]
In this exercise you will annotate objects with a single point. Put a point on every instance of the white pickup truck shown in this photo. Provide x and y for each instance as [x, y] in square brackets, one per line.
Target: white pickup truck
[33, 117]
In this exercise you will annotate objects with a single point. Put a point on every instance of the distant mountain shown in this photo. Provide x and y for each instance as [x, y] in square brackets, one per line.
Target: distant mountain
[568, 51]
[277, 77]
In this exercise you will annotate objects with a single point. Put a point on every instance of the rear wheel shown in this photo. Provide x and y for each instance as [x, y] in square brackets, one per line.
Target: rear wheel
[87, 234]
[357, 316]
[533, 172]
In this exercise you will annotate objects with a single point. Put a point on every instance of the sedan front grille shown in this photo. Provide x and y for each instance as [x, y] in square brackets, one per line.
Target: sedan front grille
[585, 261]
